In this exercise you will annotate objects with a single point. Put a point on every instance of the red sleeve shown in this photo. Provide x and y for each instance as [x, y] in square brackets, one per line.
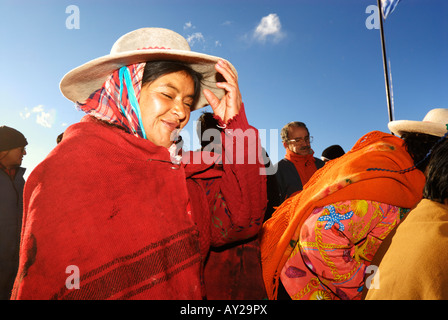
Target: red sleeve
[238, 199]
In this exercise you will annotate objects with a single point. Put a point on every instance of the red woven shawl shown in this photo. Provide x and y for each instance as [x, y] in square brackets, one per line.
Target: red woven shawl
[113, 207]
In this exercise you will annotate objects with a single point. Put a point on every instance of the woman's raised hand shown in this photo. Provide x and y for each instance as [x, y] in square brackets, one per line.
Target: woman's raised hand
[230, 103]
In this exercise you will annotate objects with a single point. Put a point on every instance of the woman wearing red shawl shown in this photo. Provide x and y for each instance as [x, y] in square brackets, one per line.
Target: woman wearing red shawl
[116, 211]
[319, 243]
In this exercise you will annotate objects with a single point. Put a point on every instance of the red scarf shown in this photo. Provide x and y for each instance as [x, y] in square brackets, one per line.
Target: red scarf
[305, 165]
[10, 172]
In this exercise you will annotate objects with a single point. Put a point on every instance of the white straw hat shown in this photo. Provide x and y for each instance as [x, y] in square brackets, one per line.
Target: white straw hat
[141, 45]
[434, 123]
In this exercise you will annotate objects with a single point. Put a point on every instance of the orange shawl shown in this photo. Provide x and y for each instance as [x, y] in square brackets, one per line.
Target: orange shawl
[346, 178]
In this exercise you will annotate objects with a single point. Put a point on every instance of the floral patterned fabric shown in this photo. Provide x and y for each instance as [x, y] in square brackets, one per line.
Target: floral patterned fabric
[371, 170]
[336, 244]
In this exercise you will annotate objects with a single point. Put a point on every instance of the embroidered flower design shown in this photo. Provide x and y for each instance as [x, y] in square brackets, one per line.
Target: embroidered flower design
[334, 217]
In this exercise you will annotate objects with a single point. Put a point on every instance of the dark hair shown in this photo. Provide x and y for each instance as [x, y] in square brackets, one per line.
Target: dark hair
[333, 152]
[284, 133]
[59, 138]
[418, 146]
[436, 187]
[206, 121]
[155, 69]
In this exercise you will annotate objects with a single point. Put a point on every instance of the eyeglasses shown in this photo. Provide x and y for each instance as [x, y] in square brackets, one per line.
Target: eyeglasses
[297, 140]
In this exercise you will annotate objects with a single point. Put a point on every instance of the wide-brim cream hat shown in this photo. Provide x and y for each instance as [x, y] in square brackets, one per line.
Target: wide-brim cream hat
[142, 45]
[434, 123]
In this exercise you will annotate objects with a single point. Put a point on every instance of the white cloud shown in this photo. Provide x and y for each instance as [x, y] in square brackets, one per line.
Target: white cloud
[39, 108]
[195, 37]
[269, 28]
[25, 114]
[188, 25]
[44, 118]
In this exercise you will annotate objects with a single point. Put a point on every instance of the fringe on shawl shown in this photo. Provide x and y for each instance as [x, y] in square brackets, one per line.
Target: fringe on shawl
[284, 226]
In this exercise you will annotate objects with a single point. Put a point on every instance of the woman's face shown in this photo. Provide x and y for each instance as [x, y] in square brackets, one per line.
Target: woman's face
[165, 107]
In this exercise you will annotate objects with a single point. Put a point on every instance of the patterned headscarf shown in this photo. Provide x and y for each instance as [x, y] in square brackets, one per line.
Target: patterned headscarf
[117, 100]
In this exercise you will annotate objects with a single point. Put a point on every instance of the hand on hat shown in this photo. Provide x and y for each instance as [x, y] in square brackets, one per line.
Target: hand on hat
[230, 104]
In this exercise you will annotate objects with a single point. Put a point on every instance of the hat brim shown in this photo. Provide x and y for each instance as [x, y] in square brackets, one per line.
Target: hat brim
[78, 84]
[399, 127]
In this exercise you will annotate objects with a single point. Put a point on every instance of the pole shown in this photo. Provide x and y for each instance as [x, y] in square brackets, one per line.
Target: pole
[386, 72]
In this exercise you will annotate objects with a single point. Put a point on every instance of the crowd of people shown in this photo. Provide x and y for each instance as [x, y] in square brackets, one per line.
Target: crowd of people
[140, 218]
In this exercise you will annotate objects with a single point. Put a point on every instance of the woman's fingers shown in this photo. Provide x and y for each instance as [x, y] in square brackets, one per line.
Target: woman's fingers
[229, 105]
[211, 98]
[231, 86]
[224, 68]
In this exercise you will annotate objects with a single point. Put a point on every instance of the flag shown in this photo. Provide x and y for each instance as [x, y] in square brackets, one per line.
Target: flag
[388, 6]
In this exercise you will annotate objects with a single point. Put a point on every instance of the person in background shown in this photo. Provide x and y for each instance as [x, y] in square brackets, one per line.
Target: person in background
[332, 152]
[211, 142]
[319, 243]
[59, 137]
[116, 210]
[209, 133]
[299, 164]
[411, 264]
[232, 272]
[12, 150]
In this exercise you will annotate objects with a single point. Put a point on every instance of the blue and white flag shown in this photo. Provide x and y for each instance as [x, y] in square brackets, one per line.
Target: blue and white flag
[388, 6]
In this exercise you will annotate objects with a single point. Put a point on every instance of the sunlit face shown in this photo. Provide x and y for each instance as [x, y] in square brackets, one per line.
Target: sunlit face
[165, 105]
[12, 158]
[303, 147]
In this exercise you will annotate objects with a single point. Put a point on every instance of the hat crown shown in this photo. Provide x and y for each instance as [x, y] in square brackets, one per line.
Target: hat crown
[139, 46]
[439, 115]
[434, 123]
[150, 38]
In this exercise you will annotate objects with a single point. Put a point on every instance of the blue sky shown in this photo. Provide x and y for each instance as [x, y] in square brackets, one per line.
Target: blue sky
[307, 60]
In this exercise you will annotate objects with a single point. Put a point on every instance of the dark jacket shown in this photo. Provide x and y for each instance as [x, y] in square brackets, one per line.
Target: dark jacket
[11, 207]
[288, 178]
